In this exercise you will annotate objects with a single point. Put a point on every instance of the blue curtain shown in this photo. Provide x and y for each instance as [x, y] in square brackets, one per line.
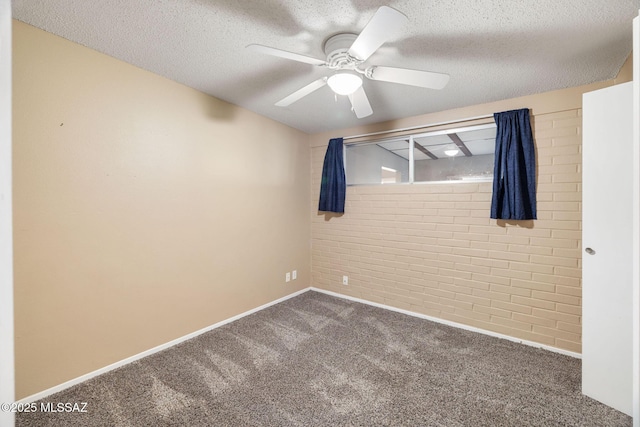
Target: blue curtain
[334, 185]
[514, 173]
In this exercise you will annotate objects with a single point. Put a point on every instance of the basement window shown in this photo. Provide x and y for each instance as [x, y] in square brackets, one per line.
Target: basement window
[452, 155]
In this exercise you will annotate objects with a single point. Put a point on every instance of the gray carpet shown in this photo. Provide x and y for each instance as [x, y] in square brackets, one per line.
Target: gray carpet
[316, 360]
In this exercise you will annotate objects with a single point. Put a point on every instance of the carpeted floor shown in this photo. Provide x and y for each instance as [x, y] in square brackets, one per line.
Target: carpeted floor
[316, 360]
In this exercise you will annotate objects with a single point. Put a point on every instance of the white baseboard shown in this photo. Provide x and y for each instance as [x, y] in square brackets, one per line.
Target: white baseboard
[85, 377]
[454, 324]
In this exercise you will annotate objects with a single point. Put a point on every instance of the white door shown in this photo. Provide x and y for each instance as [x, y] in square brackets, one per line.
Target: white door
[636, 223]
[607, 149]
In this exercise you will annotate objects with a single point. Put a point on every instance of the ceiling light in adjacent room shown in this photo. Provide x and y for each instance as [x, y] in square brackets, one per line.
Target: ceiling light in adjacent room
[451, 152]
[344, 83]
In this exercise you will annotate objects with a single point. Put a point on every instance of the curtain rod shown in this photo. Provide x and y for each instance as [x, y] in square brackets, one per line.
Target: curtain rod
[468, 119]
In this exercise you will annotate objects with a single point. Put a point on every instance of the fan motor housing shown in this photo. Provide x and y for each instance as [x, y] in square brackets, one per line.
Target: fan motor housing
[336, 48]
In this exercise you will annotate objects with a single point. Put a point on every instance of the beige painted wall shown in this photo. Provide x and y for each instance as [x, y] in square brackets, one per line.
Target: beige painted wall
[432, 249]
[144, 210]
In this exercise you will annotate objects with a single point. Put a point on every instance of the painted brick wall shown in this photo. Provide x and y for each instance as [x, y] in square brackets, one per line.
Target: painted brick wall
[432, 249]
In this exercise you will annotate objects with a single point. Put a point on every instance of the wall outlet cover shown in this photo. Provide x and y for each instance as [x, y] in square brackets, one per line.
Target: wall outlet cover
[345, 280]
[294, 274]
[287, 277]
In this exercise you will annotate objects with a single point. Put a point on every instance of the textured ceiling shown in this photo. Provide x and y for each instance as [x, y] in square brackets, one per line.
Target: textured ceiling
[492, 49]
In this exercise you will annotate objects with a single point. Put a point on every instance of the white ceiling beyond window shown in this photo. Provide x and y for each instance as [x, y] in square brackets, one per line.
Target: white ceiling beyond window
[492, 49]
[479, 140]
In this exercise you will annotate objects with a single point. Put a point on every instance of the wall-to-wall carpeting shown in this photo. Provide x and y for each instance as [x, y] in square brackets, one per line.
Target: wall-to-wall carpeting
[317, 360]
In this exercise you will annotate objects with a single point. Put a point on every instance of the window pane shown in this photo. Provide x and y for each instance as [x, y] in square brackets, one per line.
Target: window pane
[458, 167]
[382, 163]
[447, 155]
[463, 154]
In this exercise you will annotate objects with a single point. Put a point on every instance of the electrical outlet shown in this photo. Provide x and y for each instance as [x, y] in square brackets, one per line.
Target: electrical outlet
[287, 277]
[294, 274]
[345, 280]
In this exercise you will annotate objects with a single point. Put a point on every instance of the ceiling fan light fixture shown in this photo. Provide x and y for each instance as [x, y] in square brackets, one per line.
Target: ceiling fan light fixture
[344, 83]
[451, 152]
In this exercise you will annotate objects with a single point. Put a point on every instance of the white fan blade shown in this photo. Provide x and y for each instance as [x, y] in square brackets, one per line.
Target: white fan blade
[385, 24]
[300, 93]
[403, 76]
[360, 103]
[284, 54]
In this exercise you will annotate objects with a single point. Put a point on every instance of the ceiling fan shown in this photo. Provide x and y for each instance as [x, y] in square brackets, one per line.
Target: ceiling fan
[346, 52]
